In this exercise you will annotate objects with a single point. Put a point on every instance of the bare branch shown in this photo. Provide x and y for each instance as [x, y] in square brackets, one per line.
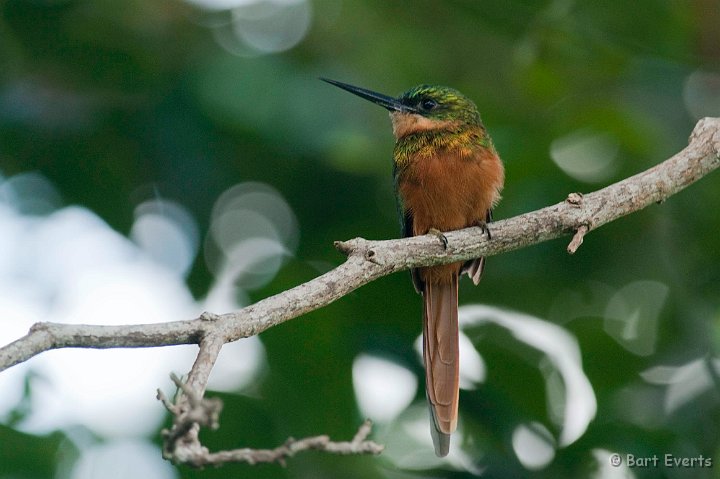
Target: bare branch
[200, 457]
[191, 410]
[47, 336]
[210, 347]
[370, 260]
[367, 261]
[181, 443]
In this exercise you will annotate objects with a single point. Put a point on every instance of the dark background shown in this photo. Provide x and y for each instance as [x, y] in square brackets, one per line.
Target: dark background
[118, 102]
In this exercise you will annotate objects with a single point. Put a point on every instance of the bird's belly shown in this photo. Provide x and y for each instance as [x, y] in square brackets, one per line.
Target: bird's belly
[449, 193]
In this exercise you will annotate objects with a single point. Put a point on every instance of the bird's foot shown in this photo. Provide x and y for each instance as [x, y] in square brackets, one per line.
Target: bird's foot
[440, 235]
[484, 229]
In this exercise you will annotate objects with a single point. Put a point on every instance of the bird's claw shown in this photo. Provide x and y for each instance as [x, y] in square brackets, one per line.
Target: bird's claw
[440, 235]
[485, 229]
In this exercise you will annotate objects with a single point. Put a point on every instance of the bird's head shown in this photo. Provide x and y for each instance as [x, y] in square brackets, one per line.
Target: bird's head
[422, 108]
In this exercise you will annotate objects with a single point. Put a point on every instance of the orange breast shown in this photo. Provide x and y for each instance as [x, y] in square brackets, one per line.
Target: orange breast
[448, 191]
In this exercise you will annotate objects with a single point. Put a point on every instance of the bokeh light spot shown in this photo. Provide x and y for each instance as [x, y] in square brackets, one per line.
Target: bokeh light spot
[685, 382]
[237, 365]
[168, 233]
[586, 155]
[252, 231]
[272, 26]
[29, 193]
[258, 27]
[383, 388]
[534, 445]
[562, 354]
[122, 459]
[631, 316]
[701, 94]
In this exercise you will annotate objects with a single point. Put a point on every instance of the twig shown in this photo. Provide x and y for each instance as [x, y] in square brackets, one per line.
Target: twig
[166, 402]
[189, 413]
[359, 445]
[577, 239]
[181, 443]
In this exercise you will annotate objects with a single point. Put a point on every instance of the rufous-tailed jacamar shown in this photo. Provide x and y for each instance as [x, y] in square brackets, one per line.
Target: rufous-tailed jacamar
[447, 176]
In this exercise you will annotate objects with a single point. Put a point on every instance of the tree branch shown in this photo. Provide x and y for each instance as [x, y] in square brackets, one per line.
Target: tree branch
[195, 455]
[367, 261]
[370, 260]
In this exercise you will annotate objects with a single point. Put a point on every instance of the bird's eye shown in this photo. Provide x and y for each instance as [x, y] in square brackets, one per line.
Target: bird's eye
[428, 104]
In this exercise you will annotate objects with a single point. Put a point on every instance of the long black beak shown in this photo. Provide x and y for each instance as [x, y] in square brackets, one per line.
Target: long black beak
[392, 104]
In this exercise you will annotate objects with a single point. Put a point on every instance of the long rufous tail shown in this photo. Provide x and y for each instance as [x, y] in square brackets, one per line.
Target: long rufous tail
[441, 356]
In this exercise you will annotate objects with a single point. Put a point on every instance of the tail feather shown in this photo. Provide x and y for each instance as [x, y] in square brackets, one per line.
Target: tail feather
[440, 353]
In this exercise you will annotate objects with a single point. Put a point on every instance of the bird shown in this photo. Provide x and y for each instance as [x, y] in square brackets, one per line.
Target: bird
[447, 176]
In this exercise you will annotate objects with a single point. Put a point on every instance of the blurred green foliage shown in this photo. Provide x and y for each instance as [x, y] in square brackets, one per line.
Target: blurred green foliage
[116, 102]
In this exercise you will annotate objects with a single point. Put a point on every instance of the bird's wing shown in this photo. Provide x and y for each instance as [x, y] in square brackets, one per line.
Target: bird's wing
[407, 231]
[406, 228]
